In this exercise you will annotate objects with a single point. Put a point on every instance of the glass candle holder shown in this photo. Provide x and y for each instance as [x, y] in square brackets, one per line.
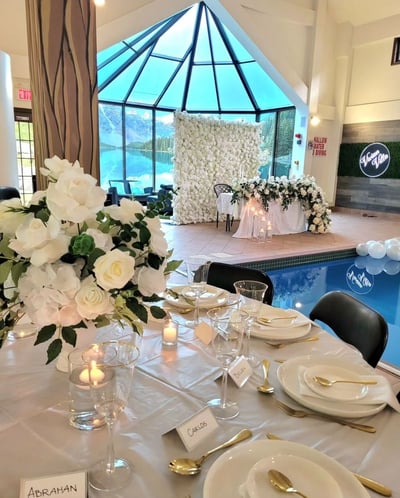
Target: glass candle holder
[170, 333]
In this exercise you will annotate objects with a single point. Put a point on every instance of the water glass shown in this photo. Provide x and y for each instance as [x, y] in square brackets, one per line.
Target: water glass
[197, 274]
[83, 414]
[251, 295]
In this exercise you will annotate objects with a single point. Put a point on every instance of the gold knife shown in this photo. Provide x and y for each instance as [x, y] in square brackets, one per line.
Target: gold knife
[365, 481]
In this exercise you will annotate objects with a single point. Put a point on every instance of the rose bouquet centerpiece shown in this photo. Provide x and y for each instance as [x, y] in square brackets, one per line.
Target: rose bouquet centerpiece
[67, 260]
[284, 191]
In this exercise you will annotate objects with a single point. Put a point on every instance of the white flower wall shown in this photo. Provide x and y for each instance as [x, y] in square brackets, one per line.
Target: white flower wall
[209, 151]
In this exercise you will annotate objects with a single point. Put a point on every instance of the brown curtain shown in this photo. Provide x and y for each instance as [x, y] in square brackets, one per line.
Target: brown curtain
[62, 57]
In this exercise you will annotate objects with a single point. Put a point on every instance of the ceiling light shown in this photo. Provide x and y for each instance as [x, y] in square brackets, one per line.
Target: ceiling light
[99, 3]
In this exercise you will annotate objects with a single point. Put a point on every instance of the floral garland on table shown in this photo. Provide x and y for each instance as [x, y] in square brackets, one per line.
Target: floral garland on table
[67, 260]
[284, 191]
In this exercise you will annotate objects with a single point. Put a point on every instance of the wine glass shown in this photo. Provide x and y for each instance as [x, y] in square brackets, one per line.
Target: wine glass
[197, 273]
[228, 327]
[251, 294]
[110, 384]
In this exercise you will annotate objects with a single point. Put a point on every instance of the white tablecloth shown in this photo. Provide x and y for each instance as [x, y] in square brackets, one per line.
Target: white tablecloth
[225, 206]
[169, 386]
[254, 218]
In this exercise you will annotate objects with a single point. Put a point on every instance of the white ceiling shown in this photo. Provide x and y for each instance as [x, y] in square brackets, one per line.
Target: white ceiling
[13, 25]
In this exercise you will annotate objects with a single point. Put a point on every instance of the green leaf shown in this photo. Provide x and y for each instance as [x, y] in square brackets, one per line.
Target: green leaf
[155, 261]
[18, 269]
[144, 234]
[173, 265]
[138, 309]
[5, 269]
[53, 350]
[157, 312]
[4, 249]
[69, 335]
[93, 256]
[45, 333]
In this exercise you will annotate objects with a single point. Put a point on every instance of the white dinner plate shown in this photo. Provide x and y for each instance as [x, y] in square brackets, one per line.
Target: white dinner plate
[339, 391]
[230, 470]
[280, 318]
[290, 376]
[185, 299]
[298, 470]
[280, 334]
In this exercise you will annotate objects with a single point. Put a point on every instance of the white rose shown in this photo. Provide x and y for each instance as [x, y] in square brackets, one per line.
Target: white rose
[54, 166]
[114, 269]
[158, 243]
[151, 281]
[9, 221]
[93, 301]
[126, 211]
[42, 243]
[75, 197]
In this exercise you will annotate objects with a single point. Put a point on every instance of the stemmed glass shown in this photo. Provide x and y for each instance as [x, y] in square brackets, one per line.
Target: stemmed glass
[110, 384]
[197, 274]
[228, 327]
[251, 294]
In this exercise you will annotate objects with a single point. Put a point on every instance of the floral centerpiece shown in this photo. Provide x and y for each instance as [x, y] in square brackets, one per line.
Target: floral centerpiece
[66, 259]
[284, 191]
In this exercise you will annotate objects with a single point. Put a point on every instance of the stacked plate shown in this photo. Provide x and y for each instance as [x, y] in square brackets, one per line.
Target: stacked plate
[343, 400]
[241, 472]
[183, 297]
[279, 324]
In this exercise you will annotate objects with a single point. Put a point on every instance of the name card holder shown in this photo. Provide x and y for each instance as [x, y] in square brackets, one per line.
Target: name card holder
[204, 332]
[240, 371]
[194, 430]
[71, 484]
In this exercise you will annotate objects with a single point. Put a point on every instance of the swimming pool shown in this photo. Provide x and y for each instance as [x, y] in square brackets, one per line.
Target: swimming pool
[375, 282]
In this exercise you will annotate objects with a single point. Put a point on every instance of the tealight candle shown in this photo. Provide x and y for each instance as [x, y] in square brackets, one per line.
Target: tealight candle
[95, 375]
[170, 333]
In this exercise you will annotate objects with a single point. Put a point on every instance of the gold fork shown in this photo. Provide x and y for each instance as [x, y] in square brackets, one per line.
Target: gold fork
[278, 345]
[302, 413]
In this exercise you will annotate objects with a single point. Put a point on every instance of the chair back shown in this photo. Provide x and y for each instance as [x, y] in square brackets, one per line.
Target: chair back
[8, 193]
[354, 322]
[224, 276]
[219, 188]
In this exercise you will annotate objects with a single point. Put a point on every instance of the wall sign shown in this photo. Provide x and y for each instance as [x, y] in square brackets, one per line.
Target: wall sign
[374, 160]
[319, 146]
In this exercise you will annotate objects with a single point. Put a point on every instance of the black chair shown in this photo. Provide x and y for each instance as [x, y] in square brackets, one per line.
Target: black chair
[162, 195]
[8, 193]
[220, 188]
[224, 275]
[354, 322]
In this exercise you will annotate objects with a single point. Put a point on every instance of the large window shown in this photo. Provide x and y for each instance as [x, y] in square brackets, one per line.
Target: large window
[25, 152]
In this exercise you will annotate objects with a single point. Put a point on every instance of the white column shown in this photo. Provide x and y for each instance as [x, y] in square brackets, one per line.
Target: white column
[8, 148]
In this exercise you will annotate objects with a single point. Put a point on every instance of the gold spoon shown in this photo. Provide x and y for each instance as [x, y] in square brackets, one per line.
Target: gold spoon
[189, 467]
[262, 319]
[328, 383]
[265, 387]
[283, 483]
[278, 345]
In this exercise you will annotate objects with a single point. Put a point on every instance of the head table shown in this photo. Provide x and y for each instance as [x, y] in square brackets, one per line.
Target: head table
[169, 387]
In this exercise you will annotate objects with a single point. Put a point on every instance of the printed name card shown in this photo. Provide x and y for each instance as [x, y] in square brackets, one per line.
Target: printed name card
[240, 371]
[197, 428]
[72, 484]
[204, 332]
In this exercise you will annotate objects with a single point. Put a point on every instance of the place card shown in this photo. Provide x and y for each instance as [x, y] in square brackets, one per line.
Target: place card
[194, 430]
[240, 371]
[204, 332]
[71, 484]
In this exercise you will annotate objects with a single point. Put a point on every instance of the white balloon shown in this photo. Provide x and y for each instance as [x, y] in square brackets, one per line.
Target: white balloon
[361, 262]
[377, 250]
[392, 242]
[393, 252]
[362, 249]
[370, 242]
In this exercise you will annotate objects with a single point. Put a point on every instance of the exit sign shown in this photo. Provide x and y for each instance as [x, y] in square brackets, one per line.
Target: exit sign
[24, 94]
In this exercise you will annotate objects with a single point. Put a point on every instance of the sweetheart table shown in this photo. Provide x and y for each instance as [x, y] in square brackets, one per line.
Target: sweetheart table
[170, 386]
[254, 218]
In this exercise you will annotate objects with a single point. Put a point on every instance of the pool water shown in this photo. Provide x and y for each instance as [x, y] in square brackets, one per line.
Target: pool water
[374, 282]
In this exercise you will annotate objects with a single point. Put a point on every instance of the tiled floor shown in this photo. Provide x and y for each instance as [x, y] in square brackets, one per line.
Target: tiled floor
[348, 228]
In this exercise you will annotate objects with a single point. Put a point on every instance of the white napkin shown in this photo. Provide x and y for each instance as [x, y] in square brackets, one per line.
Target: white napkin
[377, 394]
[280, 318]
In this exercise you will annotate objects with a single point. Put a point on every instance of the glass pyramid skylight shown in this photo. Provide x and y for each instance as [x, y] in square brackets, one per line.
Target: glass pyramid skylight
[190, 62]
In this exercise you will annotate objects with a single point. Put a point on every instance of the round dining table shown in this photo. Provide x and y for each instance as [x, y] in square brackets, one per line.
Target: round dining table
[170, 386]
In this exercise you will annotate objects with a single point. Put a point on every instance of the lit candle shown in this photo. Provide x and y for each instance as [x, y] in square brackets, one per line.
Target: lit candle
[170, 333]
[95, 375]
[269, 226]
